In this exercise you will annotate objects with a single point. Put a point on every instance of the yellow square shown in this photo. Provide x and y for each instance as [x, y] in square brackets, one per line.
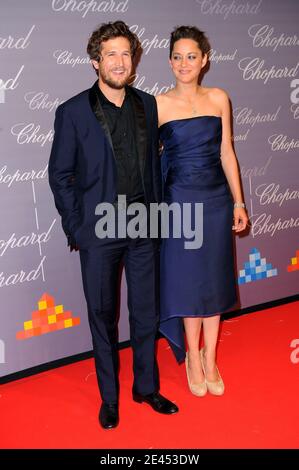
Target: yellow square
[42, 305]
[52, 319]
[28, 325]
[68, 323]
[59, 309]
[294, 261]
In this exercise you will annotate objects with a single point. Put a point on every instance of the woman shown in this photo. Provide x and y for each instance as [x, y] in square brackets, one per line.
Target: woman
[198, 165]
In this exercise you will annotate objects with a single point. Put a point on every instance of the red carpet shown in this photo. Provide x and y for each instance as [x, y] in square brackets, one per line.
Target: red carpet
[58, 409]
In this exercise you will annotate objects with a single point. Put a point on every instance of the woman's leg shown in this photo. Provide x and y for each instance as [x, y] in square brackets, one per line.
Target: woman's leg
[192, 330]
[210, 332]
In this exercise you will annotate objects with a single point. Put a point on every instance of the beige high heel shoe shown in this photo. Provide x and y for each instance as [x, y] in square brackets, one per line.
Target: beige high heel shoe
[215, 387]
[198, 389]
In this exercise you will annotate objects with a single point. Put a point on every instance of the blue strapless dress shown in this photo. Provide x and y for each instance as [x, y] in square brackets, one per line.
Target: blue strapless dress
[196, 282]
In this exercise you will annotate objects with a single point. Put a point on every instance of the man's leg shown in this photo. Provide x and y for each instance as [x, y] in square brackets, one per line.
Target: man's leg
[100, 273]
[141, 265]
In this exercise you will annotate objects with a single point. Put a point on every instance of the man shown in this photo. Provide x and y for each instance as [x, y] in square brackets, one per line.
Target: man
[105, 145]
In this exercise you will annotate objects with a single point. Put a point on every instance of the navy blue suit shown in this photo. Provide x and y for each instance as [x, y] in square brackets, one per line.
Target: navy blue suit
[82, 174]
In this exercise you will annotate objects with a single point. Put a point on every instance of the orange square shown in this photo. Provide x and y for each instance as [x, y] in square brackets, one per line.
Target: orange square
[35, 314]
[28, 334]
[53, 327]
[44, 321]
[24, 334]
[45, 329]
[293, 267]
[67, 314]
[76, 321]
[51, 311]
[60, 325]
[64, 315]
[20, 335]
[37, 331]
[36, 322]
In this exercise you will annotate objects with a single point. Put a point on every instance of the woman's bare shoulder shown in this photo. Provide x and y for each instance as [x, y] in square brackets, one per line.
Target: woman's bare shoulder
[217, 94]
[164, 97]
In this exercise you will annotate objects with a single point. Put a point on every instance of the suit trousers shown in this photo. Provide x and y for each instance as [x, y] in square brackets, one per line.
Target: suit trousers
[100, 266]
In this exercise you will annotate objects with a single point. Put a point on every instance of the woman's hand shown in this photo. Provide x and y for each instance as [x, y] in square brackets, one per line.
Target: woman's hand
[240, 219]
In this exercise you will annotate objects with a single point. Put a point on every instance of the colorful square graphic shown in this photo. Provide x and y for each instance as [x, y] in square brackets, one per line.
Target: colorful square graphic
[47, 318]
[294, 266]
[256, 268]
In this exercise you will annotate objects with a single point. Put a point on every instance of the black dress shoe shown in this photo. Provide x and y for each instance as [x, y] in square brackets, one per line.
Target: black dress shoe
[108, 416]
[157, 402]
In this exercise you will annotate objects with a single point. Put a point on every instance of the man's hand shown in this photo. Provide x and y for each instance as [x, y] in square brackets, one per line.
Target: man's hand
[71, 244]
[74, 248]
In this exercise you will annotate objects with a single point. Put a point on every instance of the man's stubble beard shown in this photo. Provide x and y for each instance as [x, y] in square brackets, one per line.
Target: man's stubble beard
[113, 84]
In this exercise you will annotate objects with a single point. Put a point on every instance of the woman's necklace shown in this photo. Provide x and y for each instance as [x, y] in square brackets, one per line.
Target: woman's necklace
[194, 109]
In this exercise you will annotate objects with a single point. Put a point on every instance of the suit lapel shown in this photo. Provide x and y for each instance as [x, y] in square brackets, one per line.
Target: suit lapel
[141, 134]
[99, 113]
[140, 121]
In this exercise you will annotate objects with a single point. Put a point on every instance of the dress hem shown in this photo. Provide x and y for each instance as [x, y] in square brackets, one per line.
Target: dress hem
[221, 312]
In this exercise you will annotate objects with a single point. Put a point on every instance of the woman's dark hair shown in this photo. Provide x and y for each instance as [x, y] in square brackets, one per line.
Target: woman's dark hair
[108, 31]
[190, 32]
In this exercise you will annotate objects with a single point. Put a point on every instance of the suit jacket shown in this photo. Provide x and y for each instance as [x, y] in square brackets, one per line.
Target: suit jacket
[82, 166]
